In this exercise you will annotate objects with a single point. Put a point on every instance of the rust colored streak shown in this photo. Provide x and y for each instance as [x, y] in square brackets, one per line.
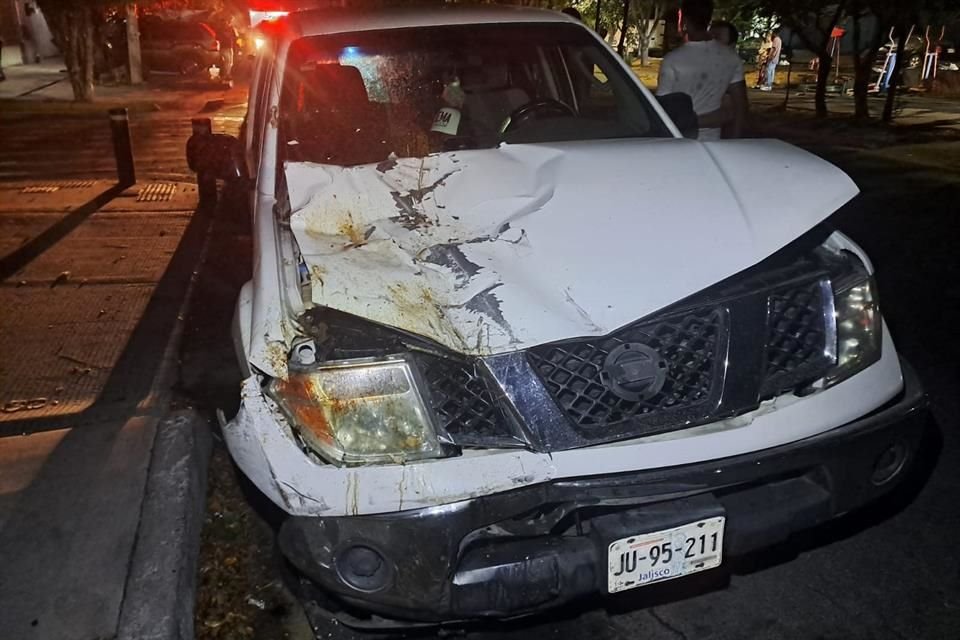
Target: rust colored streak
[341, 406]
[277, 356]
[308, 413]
[347, 227]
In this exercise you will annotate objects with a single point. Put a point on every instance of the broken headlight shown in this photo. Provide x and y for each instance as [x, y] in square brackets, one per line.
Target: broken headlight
[359, 411]
[858, 326]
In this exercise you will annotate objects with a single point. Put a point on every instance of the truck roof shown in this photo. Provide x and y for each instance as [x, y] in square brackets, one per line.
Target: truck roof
[328, 21]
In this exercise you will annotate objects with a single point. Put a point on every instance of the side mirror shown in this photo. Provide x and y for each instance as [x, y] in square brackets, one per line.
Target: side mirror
[214, 156]
[679, 106]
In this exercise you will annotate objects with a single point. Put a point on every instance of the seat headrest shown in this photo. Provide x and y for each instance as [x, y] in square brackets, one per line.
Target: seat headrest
[336, 84]
[488, 78]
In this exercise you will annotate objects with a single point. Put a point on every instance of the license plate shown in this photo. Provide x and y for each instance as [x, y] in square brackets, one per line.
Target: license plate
[664, 555]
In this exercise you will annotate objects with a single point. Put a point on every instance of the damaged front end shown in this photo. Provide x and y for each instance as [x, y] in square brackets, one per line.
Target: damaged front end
[361, 400]
[360, 393]
[473, 370]
[472, 451]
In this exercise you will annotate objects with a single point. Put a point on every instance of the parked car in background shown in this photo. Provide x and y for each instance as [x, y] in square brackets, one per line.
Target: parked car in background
[512, 339]
[949, 58]
[178, 46]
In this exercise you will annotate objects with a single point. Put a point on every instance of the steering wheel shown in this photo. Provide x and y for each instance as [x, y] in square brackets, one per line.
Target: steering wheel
[535, 109]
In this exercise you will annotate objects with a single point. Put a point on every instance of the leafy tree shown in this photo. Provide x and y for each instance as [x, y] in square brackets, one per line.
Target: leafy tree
[744, 15]
[603, 15]
[900, 14]
[812, 21]
[887, 14]
[624, 26]
[649, 15]
[864, 53]
[71, 23]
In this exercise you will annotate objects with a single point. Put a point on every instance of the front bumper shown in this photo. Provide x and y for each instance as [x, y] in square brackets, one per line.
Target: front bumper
[537, 547]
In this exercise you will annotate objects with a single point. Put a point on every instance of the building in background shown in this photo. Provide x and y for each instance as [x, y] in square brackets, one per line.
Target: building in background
[13, 19]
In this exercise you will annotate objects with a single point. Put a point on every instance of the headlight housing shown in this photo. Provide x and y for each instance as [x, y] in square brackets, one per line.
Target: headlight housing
[858, 326]
[365, 411]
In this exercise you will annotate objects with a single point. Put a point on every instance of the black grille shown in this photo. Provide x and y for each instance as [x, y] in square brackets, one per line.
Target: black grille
[690, 344]
[796, 338]
[464, 402]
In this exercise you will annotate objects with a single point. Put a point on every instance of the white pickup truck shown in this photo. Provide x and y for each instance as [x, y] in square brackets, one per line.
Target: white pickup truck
[511, 339]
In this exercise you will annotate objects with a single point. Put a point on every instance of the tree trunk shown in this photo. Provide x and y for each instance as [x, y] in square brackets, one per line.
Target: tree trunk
[823, 74]
[596, 22]
[73, 29]
[895, 78]
[861, 109]
[863, 69]
[820, 46]
[864, 54]
[87, 57]
[621, 44]
[133, 45]
[646, 29]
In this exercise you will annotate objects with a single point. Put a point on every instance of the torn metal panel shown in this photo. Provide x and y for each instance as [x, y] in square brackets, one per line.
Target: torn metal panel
[269, 453]
[491, 251]
[268, 332]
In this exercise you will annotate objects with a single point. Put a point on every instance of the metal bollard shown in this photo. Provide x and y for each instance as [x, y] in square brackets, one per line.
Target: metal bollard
[198, 150]
[122, 151]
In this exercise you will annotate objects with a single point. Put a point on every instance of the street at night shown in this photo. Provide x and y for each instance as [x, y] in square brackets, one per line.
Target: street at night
[160, 476]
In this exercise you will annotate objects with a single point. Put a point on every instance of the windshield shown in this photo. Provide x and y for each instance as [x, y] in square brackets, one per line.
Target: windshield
[358, 98]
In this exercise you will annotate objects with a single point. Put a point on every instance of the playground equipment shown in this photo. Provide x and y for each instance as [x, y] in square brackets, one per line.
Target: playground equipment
[889, 62]
[835, 37]
[931, 56]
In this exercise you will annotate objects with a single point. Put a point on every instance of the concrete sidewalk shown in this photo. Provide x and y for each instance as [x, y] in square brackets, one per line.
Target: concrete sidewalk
[100, 492]
[26, 79]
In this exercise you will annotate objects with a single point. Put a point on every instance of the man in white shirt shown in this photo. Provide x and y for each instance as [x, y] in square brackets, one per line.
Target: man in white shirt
[706, 70]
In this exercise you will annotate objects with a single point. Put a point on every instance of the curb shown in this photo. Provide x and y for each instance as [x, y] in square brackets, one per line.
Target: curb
[162, 580]
[161, 585]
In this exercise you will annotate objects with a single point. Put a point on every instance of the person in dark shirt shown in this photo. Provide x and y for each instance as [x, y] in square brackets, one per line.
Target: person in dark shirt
[227, 35]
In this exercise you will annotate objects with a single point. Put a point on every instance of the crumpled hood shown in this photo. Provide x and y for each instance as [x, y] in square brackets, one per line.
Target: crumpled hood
[489, 251]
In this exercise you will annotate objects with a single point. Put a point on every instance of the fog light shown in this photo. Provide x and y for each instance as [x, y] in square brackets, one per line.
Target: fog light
[889, 464]
[363, 568]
